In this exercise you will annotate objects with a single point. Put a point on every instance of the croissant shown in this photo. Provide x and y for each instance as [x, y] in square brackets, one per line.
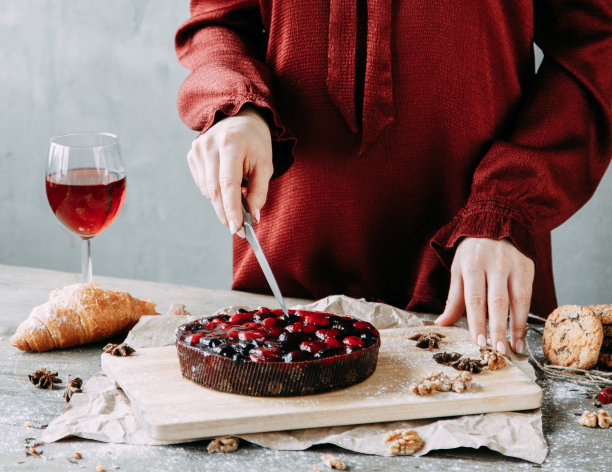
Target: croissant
[79, 314]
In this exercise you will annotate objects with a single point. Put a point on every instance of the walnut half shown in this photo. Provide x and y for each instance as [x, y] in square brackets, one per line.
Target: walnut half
[440, 382]
[403, 442]
[592, 419]
[493, 359]
[224, 444]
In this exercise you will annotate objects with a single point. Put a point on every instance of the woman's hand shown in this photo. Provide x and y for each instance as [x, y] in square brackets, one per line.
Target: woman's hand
[495, 277]
[236, 148]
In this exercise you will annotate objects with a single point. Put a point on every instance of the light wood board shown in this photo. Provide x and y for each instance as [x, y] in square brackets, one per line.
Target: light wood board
[173, 408]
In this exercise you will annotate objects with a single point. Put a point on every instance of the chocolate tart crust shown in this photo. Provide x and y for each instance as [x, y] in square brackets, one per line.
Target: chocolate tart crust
[276, 379]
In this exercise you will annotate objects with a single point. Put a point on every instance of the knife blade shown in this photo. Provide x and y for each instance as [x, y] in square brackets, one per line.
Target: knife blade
[259, 254]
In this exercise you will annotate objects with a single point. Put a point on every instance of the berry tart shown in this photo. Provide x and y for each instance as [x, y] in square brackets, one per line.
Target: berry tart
[267, 353]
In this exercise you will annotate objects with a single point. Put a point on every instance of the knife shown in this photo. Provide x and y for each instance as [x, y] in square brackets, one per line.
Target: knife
[261, 258]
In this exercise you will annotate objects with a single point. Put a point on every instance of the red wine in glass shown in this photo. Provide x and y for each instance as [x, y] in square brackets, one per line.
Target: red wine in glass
[85, 184]
[86, 200]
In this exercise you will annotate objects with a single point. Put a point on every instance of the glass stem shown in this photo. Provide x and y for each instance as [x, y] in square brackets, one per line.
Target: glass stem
[86, 260]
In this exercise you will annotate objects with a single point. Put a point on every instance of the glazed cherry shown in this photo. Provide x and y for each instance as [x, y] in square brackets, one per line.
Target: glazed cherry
[312, 346]
[353, 342]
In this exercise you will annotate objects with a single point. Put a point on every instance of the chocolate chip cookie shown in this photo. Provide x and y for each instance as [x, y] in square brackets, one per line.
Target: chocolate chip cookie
[572, 337]
[603, 312]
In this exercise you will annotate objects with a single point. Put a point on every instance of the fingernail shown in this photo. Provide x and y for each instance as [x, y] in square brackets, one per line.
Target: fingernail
[437, 319]
[501, 347]
[482, 340]
[520, 346]
[256, 215]
[232, 226]
[241, 233]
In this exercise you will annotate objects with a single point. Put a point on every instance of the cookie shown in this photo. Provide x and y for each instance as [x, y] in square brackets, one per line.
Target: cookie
[572, 337]
[603, 312]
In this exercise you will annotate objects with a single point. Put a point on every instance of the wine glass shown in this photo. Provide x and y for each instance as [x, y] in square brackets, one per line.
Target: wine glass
[85, 182]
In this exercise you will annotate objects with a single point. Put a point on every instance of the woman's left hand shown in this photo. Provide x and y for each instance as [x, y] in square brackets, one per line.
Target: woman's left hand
[494, 277]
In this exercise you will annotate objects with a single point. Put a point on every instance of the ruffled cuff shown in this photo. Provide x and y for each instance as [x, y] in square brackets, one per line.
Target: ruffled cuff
[492, 218]
[282, 141]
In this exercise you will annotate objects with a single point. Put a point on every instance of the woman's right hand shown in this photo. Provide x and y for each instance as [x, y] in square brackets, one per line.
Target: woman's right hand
[236, 148]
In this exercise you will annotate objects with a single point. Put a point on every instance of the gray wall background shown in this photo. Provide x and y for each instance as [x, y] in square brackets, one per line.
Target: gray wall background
[93, 65]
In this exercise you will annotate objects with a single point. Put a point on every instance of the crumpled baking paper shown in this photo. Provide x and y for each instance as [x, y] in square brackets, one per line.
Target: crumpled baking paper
[103, 412]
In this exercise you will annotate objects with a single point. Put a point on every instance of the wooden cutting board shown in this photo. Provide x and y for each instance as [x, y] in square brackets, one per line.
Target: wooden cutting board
[173, 408]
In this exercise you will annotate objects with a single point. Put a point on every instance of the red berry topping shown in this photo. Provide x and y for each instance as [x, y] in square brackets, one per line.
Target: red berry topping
[316, 319]
[233, 333]
[252, 334]
[324, 334]
[353, 341]
[273, 331]
[268, 354]
[309, 329]
[362, 325]
[216, 321]
[251, 325]
[312, 346]
[295, 327]
[270, 322]
[333, 343]
[240, 318]
[223, 326]
[194, 338]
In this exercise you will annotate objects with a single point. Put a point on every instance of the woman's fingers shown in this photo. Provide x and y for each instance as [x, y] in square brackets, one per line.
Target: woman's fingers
[475, 294]
[231, 158]
[497, 282]
[257, 189]
[455, 306]
[498, 305]
[520, 287]
[234, 149]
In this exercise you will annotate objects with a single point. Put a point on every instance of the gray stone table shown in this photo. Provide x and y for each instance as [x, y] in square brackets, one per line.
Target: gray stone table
[572, 447]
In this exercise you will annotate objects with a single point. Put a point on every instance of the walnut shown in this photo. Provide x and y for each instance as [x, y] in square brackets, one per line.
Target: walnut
[118, 349]
[427, 341]
[333, 462]
[441, 382]
[438, 382]
[462, 382]
[494, 360]
[403, 442]
[604, 419]
[224, 444]
[589, 419]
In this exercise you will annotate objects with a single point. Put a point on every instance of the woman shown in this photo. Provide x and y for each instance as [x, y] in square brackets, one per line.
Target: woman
[405, 151]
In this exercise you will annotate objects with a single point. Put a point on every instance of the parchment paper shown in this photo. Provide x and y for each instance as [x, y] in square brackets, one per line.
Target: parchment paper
[102, 412]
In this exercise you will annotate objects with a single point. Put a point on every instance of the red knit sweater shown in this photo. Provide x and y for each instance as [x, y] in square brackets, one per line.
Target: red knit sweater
[404, 126]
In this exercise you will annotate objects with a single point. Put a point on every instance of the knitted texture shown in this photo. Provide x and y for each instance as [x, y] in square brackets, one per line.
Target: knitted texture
[449, 133]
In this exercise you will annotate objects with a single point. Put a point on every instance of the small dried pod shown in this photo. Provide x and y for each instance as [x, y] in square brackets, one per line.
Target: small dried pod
[44, 378]
[427, 340]
[446, 358]
[470, 365]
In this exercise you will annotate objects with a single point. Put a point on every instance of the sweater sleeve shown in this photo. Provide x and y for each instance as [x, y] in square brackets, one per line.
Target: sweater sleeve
[560, 145]
[223, 45]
